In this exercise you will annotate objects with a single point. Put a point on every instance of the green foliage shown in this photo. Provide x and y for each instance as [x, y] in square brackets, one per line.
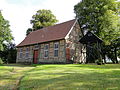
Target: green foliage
[12, 52]
[8, 55]
[113, 50]
[101, 17]
[5, 32]
[28, 31]
[1, 62]
[43, 18]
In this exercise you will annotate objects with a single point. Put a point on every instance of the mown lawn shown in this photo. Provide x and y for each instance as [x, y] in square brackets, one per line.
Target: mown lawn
[11, 74]
[72, 77]
[66, 77]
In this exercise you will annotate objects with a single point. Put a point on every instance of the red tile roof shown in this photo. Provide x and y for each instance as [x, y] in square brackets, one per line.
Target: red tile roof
[56, 32]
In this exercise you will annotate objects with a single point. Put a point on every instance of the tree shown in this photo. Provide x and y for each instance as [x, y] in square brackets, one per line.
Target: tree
[12, 53]
[43, 18]
[5, 32]
[102, 18]
[8, 55]
[29, 30]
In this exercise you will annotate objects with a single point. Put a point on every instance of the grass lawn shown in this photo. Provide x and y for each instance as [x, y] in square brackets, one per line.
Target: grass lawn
[62, 77]
[10, 75]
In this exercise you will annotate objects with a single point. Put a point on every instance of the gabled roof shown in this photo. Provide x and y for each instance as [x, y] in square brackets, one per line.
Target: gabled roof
[90, 38]
[50, 33]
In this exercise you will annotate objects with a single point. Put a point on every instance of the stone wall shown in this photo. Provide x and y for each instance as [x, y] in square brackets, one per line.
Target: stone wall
[41, 59]
[51, 59]
[25, 59]
[76, 48]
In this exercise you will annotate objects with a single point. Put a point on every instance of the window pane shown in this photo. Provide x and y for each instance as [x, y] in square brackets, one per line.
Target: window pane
[56, 48]
[20, 53]
[56, 53]
[56, 45]
[20, 50]
[27, 52]
[46, 48]
[46, 53]
[26, 49]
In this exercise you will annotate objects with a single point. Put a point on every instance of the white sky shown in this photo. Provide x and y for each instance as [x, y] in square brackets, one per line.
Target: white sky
[19, 13]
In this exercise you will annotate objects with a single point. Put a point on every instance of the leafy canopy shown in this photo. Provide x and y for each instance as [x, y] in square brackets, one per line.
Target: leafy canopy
[28, 31]
[43, 18]
[101, 17]
[5, 32]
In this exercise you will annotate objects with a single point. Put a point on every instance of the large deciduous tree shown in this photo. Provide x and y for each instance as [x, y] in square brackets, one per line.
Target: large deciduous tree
[7, 52]
[5, 32]
[43, 18]
[102, 17]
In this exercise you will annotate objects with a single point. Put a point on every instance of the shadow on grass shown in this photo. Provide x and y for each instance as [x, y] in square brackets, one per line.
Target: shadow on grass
[20, 65]
[72, 81]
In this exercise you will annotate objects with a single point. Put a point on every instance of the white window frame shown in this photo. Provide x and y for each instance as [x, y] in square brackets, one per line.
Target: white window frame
[46, 50]
[27, 53]
[56, 49]
[21, 53]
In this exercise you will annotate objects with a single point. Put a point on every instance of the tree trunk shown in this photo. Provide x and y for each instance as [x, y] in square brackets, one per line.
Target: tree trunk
[113, 61]
[115, 52]
[104, 58]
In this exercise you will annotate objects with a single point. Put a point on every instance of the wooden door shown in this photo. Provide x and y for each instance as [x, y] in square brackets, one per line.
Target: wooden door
[35, 58]
[68, 53]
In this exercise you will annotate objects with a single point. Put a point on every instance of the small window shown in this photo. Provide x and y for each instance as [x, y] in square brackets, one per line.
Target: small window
[20, 53]
[27, 53]
[46, 47]
[56, 49]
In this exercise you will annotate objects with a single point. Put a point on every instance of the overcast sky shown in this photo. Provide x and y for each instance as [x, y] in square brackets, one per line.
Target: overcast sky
[19, 13]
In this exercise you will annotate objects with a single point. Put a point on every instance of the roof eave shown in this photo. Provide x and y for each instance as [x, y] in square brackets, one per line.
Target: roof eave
[39, 43]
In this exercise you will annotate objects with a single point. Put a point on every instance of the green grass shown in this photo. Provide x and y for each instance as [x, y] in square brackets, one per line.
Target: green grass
[11, 74]
[63, 77]
[72, 77]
